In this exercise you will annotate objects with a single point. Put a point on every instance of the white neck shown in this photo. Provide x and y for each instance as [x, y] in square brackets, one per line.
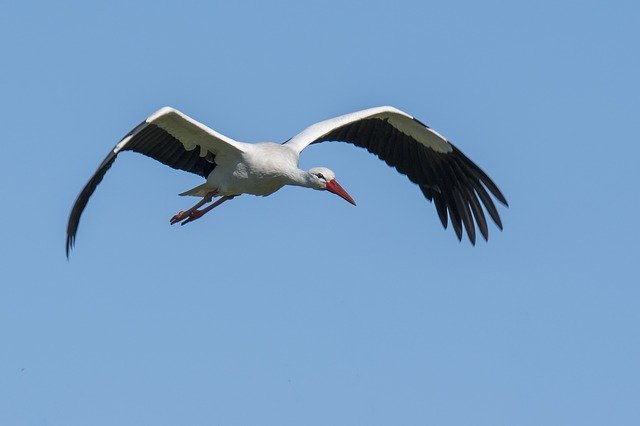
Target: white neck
[300, 177]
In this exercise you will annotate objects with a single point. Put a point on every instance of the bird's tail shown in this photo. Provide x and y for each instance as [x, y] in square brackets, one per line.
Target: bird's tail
[198, 191]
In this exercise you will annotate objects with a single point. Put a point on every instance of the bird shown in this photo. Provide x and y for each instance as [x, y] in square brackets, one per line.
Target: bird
[446, 177]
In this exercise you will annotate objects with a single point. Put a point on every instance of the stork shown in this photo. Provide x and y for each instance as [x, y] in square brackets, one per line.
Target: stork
[449, 179]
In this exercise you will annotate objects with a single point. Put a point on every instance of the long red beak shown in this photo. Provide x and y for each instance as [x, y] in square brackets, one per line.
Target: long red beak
[333, 186]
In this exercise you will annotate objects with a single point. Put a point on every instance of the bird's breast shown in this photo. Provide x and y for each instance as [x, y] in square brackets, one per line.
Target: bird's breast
[261, 171]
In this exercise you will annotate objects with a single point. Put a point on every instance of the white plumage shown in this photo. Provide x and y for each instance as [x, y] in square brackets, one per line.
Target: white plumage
[231, 168]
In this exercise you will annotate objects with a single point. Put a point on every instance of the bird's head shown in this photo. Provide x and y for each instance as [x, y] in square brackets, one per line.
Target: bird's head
[324, 179]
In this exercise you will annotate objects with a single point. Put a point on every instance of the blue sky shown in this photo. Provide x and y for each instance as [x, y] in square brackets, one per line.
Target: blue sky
[299, 308]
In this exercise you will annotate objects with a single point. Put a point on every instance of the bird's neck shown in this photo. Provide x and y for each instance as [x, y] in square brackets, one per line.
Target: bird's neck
[298, 177]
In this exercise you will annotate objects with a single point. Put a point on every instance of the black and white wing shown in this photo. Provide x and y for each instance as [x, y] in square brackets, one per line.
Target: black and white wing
[169, 136]
[444, 174]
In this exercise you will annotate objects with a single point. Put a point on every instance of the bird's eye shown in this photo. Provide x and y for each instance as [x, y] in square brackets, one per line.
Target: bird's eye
[320, 176]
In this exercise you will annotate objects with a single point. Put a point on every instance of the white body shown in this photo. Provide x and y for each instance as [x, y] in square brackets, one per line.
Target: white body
[260, 169]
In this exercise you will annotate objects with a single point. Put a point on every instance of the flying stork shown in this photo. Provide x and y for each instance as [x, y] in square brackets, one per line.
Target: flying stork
[443, 173]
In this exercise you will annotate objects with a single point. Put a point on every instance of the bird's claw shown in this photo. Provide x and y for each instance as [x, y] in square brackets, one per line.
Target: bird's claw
[196, 214]
[177, 217]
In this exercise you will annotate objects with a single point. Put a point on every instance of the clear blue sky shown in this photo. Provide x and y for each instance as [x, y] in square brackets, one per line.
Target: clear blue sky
[299, 308]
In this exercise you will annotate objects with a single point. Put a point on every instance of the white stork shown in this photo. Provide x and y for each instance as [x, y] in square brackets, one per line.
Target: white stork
[444, 174]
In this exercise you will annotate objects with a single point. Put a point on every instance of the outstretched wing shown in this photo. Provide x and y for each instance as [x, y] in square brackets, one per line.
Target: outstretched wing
[169, 136]
[444, 174]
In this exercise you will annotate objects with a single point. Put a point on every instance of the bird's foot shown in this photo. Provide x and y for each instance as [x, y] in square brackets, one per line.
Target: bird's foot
[196, 214]
[178, 217]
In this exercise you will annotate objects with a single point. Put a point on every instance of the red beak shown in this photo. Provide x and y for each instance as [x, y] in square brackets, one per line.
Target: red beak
[333, 186]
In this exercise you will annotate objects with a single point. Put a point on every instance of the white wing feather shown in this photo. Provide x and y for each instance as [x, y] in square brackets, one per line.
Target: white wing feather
[398, 119]
[189, 132]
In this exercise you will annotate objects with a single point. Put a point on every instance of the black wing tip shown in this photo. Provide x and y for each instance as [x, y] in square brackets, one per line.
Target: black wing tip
[481, 175]
[499, 196]
[69, 245]
[461, 192]
[83, 198]
[72, 229]
[472, 238]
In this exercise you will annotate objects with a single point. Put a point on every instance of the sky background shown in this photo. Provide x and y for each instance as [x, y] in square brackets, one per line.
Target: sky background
[300, 308]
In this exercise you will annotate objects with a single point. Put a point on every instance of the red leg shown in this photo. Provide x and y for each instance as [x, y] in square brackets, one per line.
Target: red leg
[197, 214]
[185, 214]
